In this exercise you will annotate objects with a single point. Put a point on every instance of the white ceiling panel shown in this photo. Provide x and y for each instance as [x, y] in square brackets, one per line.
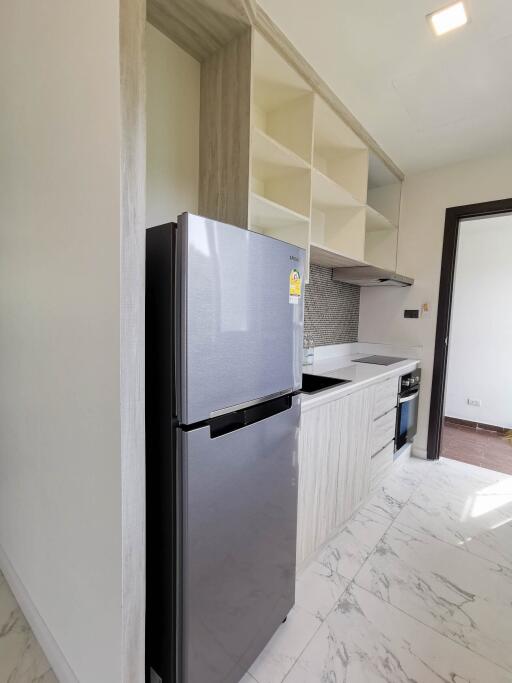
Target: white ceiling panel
[429, 101]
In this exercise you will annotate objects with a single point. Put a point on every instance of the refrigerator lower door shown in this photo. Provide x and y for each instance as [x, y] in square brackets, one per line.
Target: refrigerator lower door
[239, 539]
[240, 317]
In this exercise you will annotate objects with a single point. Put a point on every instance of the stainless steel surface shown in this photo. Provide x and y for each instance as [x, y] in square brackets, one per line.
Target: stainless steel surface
[240, 504]
[409, 398]
[379, 360]
[240, 338]
[248, 404]
[407, 408]
[371, 276]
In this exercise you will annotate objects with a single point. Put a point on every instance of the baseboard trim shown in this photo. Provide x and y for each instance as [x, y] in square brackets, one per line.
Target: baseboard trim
[475, 425]
[49, 645]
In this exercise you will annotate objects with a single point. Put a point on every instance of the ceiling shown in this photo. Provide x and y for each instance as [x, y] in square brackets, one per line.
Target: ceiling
[427, 101]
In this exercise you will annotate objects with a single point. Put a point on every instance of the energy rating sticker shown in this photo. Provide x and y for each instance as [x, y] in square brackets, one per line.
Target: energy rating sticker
[295, 286]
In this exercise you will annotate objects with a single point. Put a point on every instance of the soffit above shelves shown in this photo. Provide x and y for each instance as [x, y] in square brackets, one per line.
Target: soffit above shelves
[201, 27]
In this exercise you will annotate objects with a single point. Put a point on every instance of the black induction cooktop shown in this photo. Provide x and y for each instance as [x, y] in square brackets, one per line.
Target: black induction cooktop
[379, 360]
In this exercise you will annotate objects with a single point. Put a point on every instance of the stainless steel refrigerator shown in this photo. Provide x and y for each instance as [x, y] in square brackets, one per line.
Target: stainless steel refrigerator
[224, 329]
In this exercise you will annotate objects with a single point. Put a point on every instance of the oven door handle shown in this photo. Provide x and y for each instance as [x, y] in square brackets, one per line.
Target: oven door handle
[408, 398]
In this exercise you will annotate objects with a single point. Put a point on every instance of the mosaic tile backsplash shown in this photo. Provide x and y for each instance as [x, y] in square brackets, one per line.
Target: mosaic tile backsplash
[331, 309]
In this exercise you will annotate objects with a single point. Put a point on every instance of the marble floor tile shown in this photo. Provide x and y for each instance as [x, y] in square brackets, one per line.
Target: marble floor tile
[319, 587]
[366, 640]
[393, 493]
[479, 521]
[395, 490]
[462, 596]
[248, 679]
[346, 552]
[414, 470]
[456, 475]
[21, 658]
[285, 647]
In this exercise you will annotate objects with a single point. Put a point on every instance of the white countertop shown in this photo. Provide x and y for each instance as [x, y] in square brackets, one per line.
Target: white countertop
[361, 375]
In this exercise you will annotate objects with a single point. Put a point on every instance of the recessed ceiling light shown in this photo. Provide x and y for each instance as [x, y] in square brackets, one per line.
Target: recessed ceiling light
[448, 18]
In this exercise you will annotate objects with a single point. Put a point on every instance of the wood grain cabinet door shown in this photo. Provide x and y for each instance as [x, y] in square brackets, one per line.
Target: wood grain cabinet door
[319, 453]
[334, 467]
[354, 456]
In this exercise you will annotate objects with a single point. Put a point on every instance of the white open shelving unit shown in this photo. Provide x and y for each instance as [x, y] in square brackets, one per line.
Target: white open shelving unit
[313, 182]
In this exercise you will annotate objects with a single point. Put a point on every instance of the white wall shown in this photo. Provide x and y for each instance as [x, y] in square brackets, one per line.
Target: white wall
[173, 79]
[425, 198]
[480, 347]
[60, 479]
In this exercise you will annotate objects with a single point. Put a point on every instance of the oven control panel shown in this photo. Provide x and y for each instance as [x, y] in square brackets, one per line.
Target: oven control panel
[411, 380]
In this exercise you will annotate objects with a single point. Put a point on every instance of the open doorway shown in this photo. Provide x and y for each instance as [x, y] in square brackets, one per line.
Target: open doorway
[471, 404]
[478, 398]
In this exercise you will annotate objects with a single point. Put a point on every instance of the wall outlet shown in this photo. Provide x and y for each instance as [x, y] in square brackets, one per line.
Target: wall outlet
[474, 402]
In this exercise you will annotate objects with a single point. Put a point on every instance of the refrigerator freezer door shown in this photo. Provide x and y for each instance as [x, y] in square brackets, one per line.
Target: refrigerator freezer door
[240, 317]
[240, 503]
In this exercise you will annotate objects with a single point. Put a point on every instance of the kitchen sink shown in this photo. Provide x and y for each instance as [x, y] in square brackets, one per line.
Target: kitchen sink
[313, 383]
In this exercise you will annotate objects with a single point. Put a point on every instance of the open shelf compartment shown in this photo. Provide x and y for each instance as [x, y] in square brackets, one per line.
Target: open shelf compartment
[339, 153]
[282, 102]
[341, 230]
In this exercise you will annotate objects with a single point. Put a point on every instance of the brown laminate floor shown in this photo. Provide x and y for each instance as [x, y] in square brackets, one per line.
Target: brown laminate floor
[477, 447]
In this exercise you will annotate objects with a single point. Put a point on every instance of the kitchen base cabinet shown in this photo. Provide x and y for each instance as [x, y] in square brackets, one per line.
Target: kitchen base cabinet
[354, 460]
[334, 467]
[320, 446]
[380, 465]
[346, 448]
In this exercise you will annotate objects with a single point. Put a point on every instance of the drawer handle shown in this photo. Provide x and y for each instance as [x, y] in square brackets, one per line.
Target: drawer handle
[381, 449]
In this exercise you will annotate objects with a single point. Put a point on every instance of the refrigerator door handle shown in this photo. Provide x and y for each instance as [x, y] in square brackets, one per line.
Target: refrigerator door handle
[224, 424]
[249, 404]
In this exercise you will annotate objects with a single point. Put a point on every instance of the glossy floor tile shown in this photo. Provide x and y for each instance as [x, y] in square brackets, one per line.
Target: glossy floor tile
[416, 588]
[366, 640]
[284, 649]
[474, 516]
[21, 658]
[467, 600]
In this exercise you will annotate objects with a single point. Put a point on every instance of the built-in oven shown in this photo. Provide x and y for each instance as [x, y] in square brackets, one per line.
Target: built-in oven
[407, 408]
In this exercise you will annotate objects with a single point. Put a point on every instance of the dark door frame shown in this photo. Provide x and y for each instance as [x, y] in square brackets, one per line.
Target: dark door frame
[451, 236]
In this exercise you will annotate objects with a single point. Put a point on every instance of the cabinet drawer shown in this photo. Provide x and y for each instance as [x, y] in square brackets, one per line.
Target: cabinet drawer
[383, 430]
[380, 464]
[385, 396]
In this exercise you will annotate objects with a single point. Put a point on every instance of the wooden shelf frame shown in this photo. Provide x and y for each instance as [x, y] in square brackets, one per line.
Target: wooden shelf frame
[292, 167]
